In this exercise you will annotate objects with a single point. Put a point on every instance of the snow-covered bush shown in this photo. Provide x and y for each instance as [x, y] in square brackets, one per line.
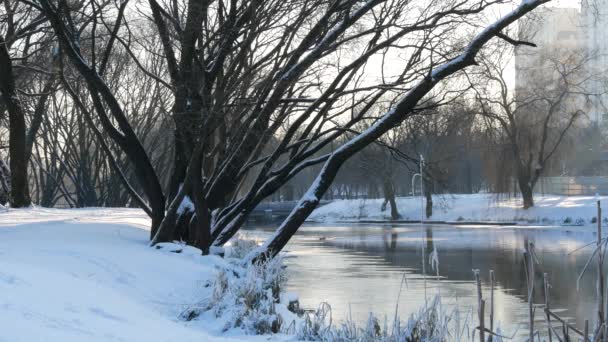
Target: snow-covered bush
[248, 300]
[430, 324]
[247, 296]
[317, 324]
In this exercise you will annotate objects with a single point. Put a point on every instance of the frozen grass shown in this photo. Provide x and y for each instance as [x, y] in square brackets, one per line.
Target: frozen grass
[432, 323]
[248, 296]
[251, 297]
[240, 246]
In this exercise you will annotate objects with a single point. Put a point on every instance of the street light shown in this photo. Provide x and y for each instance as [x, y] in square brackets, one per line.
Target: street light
[421, 188]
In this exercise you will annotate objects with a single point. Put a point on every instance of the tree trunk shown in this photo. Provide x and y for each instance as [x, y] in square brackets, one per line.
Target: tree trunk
[201, 223]
[399, 112]
[389, 196]
[20, 193]
[103, 98]
[429, 203]
[526, 190]
[5, 187]
[428, 194]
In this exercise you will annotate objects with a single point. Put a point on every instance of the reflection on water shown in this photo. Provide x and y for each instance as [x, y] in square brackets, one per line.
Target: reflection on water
[359, 268]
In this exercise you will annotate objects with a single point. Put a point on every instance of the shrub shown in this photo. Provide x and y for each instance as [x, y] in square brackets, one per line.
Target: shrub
[246, 296]
[248, 300]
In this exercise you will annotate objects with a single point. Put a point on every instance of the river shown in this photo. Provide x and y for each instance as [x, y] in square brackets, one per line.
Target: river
[360, 268]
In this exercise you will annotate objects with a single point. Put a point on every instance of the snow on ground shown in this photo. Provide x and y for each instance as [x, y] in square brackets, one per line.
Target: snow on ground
[89, 275]
[549, 209]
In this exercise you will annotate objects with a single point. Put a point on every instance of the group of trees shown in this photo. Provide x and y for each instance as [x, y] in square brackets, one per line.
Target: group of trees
[221, 103]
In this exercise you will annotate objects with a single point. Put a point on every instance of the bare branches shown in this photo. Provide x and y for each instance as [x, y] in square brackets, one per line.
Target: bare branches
[256, 93]
[535, 117]
[515, 42]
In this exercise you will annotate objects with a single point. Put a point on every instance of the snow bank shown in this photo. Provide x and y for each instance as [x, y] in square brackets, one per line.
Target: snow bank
[477, 207]
[89, 275]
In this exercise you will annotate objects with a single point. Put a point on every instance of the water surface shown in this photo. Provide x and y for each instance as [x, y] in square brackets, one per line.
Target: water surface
[359, 268]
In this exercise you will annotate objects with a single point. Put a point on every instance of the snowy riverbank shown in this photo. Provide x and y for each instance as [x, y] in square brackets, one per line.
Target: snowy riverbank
[89, 275]
[550, 210]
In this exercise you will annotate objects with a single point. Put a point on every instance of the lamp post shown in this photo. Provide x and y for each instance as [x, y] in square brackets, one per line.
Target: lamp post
[421, 187]
[423, 245]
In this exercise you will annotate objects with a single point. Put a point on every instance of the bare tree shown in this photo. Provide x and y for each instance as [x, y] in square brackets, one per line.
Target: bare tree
[404, 108]
[441, 134]
[259, 90]
[532, 122]
[24, 92]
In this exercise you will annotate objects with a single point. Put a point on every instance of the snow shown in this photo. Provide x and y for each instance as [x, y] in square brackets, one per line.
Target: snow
[185, 206]
[89, 275]
[550, 209]
[441, 69]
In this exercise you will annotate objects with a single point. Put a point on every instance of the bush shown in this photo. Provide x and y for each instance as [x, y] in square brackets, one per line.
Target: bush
[248, 300]
[246, 296]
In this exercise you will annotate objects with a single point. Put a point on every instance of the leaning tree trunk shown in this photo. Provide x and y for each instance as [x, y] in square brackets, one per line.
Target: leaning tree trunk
[20, 193]
[399, 112]
[105, 102]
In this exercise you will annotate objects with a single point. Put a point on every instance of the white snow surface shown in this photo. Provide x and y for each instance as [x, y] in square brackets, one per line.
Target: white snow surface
[89, 275]
[549, 209]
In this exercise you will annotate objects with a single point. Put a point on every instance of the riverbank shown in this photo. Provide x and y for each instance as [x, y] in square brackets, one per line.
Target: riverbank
[89, 275]
[468, 209]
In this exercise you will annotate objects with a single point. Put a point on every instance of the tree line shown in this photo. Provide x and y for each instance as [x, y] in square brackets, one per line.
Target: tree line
[220, 104]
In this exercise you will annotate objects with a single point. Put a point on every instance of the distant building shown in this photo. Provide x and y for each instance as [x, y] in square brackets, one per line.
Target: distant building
[594, 20]
[560, 38]
[560, 32]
